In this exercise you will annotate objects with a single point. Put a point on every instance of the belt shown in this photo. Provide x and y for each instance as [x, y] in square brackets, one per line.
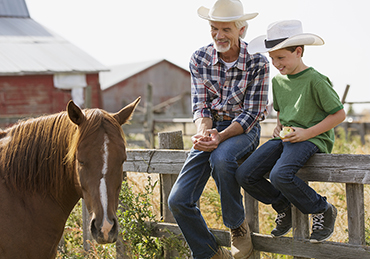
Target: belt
[217, 117]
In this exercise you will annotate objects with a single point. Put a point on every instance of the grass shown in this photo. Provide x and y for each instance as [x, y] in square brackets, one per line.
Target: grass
[210, 206]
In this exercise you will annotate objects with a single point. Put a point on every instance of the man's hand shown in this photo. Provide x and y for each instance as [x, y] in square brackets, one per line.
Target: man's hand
[206, 143]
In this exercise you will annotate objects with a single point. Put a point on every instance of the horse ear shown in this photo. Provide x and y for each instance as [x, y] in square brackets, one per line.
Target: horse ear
[125, 114]
[74, 113]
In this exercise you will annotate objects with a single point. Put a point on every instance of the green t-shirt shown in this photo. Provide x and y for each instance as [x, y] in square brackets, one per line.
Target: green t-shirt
[304, 100]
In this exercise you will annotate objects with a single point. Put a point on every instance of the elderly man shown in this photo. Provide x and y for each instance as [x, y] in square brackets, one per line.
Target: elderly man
[229, 93]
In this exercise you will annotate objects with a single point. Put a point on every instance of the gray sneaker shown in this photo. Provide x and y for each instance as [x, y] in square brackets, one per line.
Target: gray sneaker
[323, 224]
[283, 223]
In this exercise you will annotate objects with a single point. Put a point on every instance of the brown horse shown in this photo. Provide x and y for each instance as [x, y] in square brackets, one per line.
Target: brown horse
[46, 165]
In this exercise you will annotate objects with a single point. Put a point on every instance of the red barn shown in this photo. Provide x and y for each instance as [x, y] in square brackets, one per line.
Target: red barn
[39, 70]
[171, 87]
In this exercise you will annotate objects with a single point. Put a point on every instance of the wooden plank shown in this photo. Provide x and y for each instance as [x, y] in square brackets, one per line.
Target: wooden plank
[160, 230]
[155, 161]
[281, 245]
[340, 168]
[303, 248]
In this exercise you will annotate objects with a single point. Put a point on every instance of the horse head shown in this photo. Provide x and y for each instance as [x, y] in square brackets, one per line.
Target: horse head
[99, 156]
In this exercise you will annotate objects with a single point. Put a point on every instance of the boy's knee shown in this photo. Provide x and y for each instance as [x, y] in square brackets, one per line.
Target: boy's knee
[245, 177]
[279, 178]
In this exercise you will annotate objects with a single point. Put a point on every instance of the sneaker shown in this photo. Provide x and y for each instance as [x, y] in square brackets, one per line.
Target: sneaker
[241, 242]
[222, 253]
[283, 223]
[323, 224]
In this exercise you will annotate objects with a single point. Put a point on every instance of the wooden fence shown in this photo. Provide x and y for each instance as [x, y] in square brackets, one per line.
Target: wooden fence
[352, 170]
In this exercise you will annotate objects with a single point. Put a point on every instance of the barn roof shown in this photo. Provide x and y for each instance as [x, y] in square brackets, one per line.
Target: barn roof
[13, 8]
[27, 47]
[121, 72]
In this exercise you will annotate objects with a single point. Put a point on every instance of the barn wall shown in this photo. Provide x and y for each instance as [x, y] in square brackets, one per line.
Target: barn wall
[167, 79]
[36, 94]
[96, 93]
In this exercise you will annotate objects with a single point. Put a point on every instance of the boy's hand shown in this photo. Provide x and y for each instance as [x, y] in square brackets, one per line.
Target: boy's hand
[298, 135]
[277, 130]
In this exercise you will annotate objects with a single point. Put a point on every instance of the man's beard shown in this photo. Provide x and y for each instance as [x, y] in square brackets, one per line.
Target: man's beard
[222, 48]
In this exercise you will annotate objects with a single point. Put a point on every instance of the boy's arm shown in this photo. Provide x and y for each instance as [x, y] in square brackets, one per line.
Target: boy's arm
[278, 127]
[326, 124]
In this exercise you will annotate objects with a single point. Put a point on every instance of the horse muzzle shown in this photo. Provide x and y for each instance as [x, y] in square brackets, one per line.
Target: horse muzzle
[107, 232]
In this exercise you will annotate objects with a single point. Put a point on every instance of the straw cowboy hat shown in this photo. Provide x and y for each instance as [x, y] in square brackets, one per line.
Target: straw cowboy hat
[281, 35]
[225, 11]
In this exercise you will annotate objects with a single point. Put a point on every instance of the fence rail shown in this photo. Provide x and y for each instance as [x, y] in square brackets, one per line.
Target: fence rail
[352, 170]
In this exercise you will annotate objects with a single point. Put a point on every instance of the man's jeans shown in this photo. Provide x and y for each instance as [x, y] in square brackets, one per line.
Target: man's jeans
[283, 159]
[199, 166]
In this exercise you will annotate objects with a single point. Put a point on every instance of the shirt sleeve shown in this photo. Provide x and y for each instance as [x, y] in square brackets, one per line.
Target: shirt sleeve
[200, 97]
[256, 97]
[327, 98]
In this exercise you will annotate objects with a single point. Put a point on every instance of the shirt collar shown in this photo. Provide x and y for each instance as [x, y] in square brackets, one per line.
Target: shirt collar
[243, 55]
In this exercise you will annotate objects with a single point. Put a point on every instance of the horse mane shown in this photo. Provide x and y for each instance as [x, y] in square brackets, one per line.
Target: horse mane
[38, 155]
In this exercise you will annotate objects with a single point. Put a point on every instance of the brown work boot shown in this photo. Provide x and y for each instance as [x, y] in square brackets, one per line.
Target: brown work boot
[241, 242]
[222, 253]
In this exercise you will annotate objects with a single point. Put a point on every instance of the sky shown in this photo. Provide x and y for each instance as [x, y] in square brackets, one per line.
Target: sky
[122, 31]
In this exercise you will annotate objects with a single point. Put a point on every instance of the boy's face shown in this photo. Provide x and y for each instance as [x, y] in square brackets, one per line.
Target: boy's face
[288, 63]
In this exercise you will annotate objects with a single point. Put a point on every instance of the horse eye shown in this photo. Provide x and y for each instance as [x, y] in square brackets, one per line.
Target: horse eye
[81, 163]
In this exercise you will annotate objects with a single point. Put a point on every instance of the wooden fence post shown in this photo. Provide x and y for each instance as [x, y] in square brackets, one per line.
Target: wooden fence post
[168, 140]
[356, 213]
[300, 226]
[251, 214]
[148, 125]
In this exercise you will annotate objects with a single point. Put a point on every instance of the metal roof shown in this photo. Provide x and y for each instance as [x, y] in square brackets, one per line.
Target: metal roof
[13, 8]
[27, 47]
[119, 73]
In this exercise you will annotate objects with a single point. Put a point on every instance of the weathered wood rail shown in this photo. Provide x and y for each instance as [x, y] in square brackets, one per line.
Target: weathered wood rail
[352, 170]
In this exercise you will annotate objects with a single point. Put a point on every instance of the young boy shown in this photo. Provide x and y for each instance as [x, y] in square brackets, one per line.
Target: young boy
[306, 102]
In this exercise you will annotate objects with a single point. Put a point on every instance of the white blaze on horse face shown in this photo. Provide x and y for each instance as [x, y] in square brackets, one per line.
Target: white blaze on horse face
[106, 225]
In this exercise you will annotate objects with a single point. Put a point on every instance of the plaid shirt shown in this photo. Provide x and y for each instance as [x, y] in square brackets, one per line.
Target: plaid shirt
[240, 92]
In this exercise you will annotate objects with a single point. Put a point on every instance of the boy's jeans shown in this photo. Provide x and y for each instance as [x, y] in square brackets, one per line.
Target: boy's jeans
[221, 164]
[283, 159]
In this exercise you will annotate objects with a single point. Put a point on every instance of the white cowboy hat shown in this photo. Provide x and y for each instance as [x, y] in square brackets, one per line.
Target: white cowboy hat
[281, 35]
[225, 11]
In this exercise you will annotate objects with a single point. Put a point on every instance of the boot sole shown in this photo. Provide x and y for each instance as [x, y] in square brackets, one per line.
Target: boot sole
[247, 256]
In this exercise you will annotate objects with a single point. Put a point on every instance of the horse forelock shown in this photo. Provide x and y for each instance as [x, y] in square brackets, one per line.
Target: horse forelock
[95, 118]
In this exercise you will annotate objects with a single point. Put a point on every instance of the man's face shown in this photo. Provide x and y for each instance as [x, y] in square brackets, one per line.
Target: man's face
[225, 35]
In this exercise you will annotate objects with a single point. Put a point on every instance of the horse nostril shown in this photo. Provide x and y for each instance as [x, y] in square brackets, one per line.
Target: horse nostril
[106, 233]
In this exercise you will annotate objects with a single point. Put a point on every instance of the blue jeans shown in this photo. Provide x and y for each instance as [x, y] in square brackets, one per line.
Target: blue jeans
[199, 166]
[282, 160]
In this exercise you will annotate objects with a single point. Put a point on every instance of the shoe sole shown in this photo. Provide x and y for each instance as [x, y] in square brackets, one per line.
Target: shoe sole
[281, 234]
[314, 241]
